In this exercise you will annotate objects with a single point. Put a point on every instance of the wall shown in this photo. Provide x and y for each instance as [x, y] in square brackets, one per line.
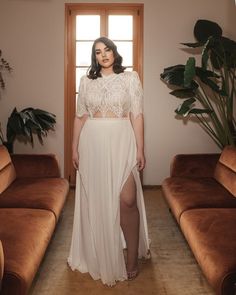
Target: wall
[32, 40]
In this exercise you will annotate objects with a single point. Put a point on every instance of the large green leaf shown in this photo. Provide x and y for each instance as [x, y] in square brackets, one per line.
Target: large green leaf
[203, 29]
[185, 107]
[205, 51]
[189, 72]
[193, 45]
[221, 50]
[183, 93]
[30, 121]
[175, 76]
[197, 111]
[202, 73]
[211, 79]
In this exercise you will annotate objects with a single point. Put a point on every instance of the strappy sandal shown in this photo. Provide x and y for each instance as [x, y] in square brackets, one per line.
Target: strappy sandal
[131, 275]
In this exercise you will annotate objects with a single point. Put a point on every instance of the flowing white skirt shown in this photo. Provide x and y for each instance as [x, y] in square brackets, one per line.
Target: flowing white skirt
[107, 156]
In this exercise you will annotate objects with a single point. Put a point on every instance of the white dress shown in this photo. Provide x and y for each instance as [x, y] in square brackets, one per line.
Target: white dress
[107, 156]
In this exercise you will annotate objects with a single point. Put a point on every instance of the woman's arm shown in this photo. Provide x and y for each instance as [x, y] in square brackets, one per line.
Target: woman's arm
[78, 125]
[138, 126]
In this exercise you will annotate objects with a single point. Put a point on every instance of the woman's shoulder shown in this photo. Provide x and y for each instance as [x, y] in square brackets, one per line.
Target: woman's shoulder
[84, 77]
[131, 74]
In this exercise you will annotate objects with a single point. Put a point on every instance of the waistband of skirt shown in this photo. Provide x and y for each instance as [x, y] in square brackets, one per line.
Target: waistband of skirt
[109, 118]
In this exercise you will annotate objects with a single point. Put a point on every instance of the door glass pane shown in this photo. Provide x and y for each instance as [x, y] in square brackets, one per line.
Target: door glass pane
[87, 27]
[120, 27]
[125, 49]
[79, 73]
[83, 53]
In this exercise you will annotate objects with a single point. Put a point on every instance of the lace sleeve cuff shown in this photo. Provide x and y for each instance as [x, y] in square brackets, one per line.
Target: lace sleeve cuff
[136, 92]
[81, 103]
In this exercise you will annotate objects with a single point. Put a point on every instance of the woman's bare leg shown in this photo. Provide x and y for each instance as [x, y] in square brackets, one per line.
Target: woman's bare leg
[129, 221]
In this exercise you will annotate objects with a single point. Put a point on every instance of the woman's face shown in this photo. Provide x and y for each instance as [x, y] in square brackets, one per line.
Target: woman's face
[104, 55]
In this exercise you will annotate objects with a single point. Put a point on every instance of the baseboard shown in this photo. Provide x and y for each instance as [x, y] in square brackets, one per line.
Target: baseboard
[151, 187]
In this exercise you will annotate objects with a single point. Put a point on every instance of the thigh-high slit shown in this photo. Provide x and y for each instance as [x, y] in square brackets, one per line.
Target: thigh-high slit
[107, 156]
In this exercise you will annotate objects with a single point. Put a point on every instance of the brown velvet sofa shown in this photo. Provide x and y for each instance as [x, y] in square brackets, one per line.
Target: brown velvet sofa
[32, 195]
[201, 194]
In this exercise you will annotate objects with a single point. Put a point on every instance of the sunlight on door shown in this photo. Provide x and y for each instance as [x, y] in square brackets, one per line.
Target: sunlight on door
[88, 28]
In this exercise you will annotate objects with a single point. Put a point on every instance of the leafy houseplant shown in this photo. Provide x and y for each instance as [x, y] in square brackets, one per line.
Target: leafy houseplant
[208, 91]
[27, 122]
[4, 66]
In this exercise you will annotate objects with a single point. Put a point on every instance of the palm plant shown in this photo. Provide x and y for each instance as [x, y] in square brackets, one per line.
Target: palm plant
[208, 90]
[27, 122]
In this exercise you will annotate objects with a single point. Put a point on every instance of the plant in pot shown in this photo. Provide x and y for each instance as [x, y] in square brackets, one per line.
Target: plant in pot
[208, 91]
[27, 122]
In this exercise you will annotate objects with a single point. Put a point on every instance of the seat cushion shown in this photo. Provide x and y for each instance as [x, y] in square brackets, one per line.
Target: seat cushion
[25, 234]
[188, 193]
[41, 193]
[211, 234]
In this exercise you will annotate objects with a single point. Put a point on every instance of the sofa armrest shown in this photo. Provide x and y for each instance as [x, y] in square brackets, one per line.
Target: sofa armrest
[35, 165]
[1, 264]
[194, 165]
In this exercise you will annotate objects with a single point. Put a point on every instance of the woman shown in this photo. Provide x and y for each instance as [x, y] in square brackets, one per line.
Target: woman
[108, 153]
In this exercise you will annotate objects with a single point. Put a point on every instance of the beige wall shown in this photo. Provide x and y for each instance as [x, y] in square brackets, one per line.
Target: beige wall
[32, 40]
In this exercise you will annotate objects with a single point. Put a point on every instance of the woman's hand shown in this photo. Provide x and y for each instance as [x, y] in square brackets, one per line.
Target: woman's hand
[75, 159]
[141, 161]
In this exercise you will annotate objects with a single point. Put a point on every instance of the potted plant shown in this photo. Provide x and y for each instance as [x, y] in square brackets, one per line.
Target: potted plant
[208, 91]
[25, 123]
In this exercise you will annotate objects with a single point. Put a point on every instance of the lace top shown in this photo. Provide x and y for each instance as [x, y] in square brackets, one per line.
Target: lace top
[117, 93]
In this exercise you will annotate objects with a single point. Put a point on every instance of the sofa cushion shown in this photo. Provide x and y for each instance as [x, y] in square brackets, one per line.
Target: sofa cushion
[225, 172]
[211, 234]
[41, 193]
[1, 263]
[184, 193]
[193, 165]
[7, 171]
[25, 234]
[36, 165]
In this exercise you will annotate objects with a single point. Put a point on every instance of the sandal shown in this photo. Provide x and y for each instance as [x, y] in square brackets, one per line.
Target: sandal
[131, 275]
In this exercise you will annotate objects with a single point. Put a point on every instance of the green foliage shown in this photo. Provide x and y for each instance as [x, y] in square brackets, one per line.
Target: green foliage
[211, 85]
[29, 121]
[4, 66]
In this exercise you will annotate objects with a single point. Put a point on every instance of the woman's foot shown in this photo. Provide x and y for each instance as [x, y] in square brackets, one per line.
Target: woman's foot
[131, 275]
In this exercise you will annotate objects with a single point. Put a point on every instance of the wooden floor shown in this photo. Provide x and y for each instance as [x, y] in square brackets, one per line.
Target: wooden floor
[172, 269]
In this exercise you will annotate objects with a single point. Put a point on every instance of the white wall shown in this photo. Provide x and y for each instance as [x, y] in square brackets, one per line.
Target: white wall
[32, 40]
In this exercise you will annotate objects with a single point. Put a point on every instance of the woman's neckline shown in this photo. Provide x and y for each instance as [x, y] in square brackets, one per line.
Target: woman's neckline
[108, 75]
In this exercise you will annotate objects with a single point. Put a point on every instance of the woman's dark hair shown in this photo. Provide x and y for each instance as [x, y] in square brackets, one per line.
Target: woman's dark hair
[95, 68]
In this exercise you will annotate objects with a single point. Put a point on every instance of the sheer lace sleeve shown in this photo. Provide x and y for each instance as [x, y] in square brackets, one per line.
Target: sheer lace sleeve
[81, 106]
[136, 93]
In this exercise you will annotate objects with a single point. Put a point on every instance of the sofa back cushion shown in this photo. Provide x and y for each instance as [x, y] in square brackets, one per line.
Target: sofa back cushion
[225, 172]
[7, 170]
